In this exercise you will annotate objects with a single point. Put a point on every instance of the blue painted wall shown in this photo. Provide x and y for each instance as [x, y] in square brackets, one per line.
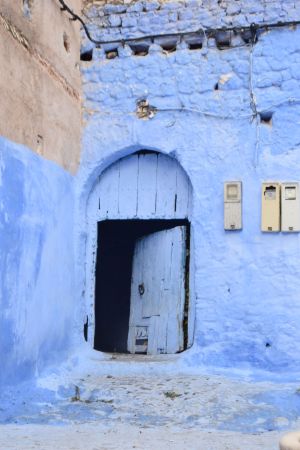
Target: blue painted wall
[36, 262]
[207, 104]
[247, 284]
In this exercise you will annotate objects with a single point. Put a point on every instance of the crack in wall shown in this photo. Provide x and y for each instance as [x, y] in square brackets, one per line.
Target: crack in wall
[53, 73]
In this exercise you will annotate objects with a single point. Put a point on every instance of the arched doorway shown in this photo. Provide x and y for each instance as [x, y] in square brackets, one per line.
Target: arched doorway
[139, 286]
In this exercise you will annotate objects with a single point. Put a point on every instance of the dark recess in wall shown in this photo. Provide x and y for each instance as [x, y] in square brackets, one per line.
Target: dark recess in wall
[116, 240]
[86, 56]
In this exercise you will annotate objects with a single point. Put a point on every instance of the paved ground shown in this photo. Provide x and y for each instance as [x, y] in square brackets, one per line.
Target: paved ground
[125, 404]
[124, 437]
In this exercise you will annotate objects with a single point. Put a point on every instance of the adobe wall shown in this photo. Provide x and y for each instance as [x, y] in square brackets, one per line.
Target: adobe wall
[40, 84]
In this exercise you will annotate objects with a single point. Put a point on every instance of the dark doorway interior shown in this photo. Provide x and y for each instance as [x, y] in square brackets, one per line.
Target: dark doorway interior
[116, 239]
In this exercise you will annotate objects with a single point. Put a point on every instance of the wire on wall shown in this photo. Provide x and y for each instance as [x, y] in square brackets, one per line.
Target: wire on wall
[254, 28]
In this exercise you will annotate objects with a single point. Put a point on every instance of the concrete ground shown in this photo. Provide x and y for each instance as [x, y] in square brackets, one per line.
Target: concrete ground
[137, 403]
[124, 437]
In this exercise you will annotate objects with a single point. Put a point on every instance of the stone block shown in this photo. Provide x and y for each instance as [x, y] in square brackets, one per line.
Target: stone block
[211, 43]
[173, 16]
[193, 3]
[115, 20]
[171, 5]
[185, 25]
[124, 51]
[186, 14]
[129, 21]
[233, 8]
[151, 6]
[135, 7]
[114, 9]
[238, 20]
[155, 48]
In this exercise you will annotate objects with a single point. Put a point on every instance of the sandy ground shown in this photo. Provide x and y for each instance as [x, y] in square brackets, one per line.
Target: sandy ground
[124, 404]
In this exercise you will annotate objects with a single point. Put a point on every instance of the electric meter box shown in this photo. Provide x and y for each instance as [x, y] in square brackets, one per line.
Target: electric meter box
[233, 205]
[290, 207]
[270, 207]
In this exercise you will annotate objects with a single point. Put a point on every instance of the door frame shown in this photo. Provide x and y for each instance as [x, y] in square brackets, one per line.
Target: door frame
[92, 241]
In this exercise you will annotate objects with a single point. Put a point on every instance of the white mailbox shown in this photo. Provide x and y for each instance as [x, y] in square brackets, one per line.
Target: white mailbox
[290, 207]
[233, 205]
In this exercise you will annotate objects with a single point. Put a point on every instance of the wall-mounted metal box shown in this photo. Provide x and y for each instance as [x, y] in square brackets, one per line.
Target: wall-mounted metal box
[290, 207]
[233, 205]
[270, 207]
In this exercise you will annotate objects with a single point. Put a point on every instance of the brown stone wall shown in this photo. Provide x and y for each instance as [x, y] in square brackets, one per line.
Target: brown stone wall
[40, 87]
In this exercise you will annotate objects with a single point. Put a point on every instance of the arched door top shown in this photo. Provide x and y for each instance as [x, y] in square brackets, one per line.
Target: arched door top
[144, 185]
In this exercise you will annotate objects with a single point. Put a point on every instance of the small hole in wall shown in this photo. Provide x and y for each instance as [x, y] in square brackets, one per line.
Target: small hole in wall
[268, 344]
[139, 49]
[195, 46]
[66, 42]
[85, 328]
[193, 41]
[111, 54]
[86, 56]
[266, 117]
[222, 45]
[140, 53]
[216, 87]
[27, 7]
[168, 47]
[247, 36]
[39, 144]
[223, 40]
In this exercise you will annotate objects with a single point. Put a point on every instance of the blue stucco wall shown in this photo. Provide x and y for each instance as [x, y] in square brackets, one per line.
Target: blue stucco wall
[134, 18]
[36, 262]
[247, 284]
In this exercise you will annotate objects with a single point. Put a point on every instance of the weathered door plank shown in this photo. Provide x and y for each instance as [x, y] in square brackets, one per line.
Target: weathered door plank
[128, 187]
[147, 173]
[166, 186]
[158, 291]
[108, 198]
[146, 185]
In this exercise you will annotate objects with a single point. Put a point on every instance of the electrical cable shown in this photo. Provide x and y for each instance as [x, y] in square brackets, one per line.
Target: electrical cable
[253, 28]
[207, 32]
[75, 17]
[204, 113]
[288, 101]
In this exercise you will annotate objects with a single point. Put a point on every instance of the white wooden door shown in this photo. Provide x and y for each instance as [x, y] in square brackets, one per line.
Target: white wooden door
[144, 186]
[158, 293]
